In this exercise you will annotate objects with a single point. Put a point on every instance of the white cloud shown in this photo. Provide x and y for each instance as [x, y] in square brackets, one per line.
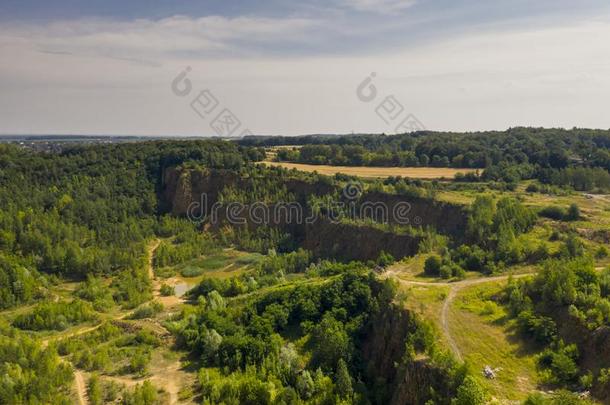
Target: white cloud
[487, 80]
[379, 6]
[152, 38]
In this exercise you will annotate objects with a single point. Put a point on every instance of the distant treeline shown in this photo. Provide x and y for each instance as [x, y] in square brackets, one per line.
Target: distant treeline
[509, 156]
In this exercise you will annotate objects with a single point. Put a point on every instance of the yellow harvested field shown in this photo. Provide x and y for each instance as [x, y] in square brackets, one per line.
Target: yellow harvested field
[376, 172]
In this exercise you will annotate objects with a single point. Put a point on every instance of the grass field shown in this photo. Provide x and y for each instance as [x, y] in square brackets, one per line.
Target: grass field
[376, 172]
[485, 337]
[226, 263]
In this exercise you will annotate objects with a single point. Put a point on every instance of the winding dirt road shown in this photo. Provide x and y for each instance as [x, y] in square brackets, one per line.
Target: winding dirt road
[81, 387]
[454, 287]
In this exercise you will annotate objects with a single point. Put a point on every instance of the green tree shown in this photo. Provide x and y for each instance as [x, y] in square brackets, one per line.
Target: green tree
[470, 392]
[432, 266]
[144, 394]
[305, 385]
[94, 390]
[481, 219]
[573, 213]
[343, 380]
[330, 343]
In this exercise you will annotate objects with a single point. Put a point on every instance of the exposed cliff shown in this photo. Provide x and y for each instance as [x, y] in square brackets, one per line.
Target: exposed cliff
[415, 381]
[444, 217]
[356, 242]
[593, 346]
[197, 191]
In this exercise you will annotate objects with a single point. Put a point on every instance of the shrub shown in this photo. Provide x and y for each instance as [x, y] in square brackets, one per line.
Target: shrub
[56, 315]
[560, 214]
[138, 364]
[601, 253]
[470, 393]
[144, 394]
[458, 272]
[191, 271]
[541, 328]
[148, 310]
[573, 247]
[573, 213]
[532, 188]
[560, 363]
[167, 290]
[445, 271]
[432, 266]
[553, 212]
[95, 291]
[385, 259]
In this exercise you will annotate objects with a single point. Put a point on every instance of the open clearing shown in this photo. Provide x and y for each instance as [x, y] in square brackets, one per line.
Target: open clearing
[473, 327]
[376, 172]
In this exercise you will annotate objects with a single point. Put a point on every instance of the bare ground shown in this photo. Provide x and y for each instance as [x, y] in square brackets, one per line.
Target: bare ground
[376, 172]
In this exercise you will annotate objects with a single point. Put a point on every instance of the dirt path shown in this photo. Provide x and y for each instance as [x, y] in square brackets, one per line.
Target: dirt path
[81, 388]
[151, 274]
[454, 287]
[170, 380]
[171, 375]
[445, 324]
[79, 378]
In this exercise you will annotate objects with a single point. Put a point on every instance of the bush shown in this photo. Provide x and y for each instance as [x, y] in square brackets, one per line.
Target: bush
[144, 394]
[541, 328]
[167, 290]
[560, 363]
[573, 213]
[553, 212]
[560, 214]
[56, 315]
[445, 271]
[148, 310]
[573, 247]
[459, 272]
[95, 291]
[385, 259]
[432, 266]
[601, 253]
[138, 364]
[191, 271]
[470, 393]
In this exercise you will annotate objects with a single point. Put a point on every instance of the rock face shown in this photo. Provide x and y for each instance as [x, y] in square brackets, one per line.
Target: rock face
[446, 218]
[182, 190]
[356, 242]
[593, 345]
[383, 350]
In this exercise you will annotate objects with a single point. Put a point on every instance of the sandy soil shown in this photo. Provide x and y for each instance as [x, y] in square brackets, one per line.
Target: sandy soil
[376, 172]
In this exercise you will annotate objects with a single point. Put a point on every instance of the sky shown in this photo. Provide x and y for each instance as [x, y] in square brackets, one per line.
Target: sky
[283, 67]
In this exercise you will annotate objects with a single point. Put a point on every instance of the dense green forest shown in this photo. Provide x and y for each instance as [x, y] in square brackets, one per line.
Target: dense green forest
[84, 213]
[269, 318]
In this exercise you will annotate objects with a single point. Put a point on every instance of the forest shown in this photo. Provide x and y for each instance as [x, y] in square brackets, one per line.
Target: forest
[104, 280]
[578, 158]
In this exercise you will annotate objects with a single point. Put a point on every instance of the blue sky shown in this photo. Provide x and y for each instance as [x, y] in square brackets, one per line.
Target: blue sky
[287, 67]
